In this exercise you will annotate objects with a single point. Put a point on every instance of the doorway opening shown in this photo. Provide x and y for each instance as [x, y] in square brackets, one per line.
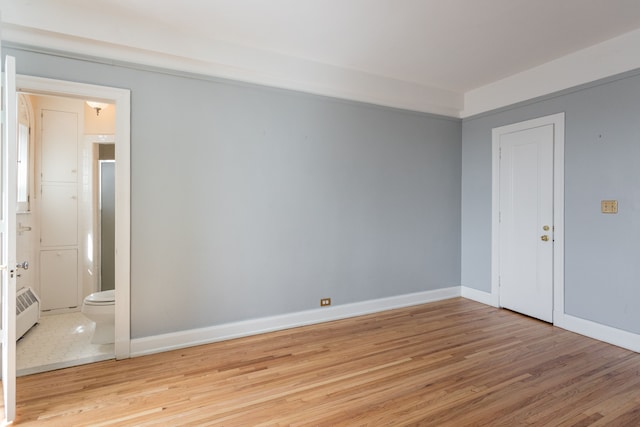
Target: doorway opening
[61, 232]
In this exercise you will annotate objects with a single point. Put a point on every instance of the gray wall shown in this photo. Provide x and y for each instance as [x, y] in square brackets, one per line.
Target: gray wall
[602, 161]
[249, 201]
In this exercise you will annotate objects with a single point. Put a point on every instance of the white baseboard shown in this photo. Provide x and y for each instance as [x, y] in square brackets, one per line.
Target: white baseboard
[478, 296]
[608, 334]
[598, 331]
[172, 341]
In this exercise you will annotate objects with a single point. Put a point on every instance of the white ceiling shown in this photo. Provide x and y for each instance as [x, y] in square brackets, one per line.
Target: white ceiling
[439, 48]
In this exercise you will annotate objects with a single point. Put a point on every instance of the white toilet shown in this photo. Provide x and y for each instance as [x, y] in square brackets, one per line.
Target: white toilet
[101, 308]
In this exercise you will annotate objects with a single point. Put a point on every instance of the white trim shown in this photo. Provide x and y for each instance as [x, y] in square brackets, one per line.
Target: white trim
[172, 341]
[99, 138]
[258, 67]
[122, 100]
[558, 212]
[495, 218]
[557, 120]
[599, 332]
[608, 334]
[611, 57]
[605, 59]
[478, 296]
[61, 365]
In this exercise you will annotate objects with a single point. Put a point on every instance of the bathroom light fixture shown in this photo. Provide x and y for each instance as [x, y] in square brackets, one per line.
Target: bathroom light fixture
[97, 106]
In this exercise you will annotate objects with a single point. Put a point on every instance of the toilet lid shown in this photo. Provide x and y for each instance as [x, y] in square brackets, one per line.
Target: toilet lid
[101, 297]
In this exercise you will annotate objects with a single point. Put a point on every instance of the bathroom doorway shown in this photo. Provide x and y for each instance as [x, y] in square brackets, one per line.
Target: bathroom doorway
[60, 228]
[78, 253]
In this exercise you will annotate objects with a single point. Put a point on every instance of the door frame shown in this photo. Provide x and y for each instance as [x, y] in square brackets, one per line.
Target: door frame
[121, 98]
[557, 120]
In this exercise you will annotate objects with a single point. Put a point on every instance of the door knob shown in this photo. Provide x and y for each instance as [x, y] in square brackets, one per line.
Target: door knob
[24, 265]
[544, 238]
[545, 228]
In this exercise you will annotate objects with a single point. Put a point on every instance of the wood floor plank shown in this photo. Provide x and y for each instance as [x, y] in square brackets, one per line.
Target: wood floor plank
[449, 363]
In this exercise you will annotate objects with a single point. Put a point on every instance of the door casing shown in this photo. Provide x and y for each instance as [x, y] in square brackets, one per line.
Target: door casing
[557, 120]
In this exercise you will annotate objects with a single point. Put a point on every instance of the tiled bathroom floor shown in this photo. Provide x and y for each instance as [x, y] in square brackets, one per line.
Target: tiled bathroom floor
[59, 341]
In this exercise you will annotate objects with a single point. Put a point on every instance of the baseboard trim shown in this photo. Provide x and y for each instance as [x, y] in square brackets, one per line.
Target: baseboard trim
[600, 332]
[478, 296]
[189, 338]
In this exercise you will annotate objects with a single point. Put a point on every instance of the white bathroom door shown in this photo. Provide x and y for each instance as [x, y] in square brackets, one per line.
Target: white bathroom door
[8, 262]
[526, 221]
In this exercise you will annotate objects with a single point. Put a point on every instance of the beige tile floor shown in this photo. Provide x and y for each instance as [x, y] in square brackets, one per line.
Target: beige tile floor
[59, 341]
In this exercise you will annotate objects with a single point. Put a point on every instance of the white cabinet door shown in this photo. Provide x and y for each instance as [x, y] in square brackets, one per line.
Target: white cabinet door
[59, 279]
[59, 146]
[59, 220]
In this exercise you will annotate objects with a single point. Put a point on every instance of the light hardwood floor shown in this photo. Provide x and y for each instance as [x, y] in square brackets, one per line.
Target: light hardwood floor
[454, 362]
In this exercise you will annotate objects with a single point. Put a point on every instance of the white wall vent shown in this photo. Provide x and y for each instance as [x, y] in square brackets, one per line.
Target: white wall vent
[27, 311]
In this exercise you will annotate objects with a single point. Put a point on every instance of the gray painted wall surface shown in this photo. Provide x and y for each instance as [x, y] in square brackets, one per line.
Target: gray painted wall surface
[249, 201]
[602, 152]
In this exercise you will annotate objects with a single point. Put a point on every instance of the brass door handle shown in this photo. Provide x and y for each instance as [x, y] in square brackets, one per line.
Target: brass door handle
[544, 238]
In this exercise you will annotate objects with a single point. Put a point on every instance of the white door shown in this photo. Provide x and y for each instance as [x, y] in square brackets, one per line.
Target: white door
[526, 221]
[8, 237]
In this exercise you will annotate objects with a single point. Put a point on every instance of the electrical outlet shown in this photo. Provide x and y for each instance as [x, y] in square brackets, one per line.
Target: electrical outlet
[325, 302]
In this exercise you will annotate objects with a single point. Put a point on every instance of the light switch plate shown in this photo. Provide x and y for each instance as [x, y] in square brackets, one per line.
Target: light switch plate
[609, 206]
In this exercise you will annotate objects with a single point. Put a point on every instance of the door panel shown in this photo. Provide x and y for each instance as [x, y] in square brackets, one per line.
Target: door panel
[8, 237]
[526, 221]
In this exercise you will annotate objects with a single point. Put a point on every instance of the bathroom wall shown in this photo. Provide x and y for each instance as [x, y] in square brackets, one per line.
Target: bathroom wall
[602, 148]
[100, 124]
[250, 201]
